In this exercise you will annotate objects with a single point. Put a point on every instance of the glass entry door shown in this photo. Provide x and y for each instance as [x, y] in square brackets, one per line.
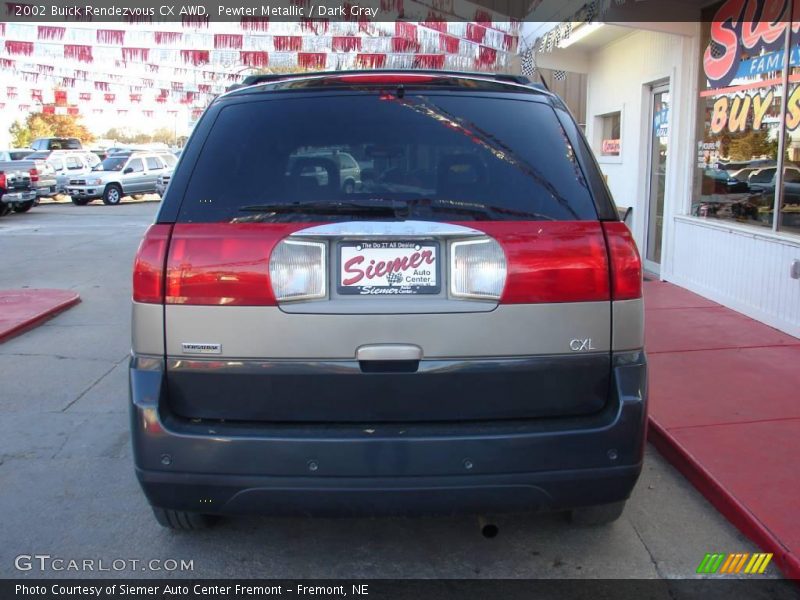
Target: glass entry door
[659, 136]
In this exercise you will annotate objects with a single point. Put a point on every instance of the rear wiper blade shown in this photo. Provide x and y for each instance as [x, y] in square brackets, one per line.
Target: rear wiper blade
[365, 207]
[482, 210]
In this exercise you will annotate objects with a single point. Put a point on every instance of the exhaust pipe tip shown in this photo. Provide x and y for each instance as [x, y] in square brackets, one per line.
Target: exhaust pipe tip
[488, 530]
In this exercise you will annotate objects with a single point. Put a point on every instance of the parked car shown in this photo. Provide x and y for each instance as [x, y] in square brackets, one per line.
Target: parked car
[718, 181]
[743, 174]
[162, 182]
[765, 179]
[56, 143]
[14, 154]
[17, 191]
[119, 175]
[42, 175]
[67, 164]
[308, 165]
[471, 343]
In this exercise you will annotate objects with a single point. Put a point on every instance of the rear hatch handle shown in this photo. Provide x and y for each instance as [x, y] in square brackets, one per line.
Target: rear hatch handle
[389, 358]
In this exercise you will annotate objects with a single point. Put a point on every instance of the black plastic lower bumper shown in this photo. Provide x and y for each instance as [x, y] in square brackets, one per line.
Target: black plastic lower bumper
[464, 494]
[516, 465]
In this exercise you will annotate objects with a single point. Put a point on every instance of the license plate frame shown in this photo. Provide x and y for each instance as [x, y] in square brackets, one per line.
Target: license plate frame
[385, 251]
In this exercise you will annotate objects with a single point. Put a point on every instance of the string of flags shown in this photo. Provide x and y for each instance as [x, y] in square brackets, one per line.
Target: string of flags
[148, 63]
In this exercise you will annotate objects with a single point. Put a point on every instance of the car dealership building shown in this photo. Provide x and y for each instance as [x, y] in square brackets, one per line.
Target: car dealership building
[685, 120]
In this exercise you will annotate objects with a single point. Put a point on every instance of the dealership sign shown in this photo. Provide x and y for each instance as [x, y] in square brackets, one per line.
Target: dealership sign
[745, 27]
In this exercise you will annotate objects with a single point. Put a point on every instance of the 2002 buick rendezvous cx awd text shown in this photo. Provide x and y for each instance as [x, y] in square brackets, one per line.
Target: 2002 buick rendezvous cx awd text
[461, 331]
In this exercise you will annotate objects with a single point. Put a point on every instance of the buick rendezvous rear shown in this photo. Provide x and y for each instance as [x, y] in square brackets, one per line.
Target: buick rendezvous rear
[461, 332]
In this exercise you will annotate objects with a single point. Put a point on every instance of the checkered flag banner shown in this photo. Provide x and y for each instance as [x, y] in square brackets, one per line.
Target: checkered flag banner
[591, 10]
[528, 62]
[560, 75]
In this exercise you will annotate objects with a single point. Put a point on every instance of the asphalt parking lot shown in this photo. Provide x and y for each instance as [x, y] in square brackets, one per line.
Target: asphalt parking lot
[67, 487]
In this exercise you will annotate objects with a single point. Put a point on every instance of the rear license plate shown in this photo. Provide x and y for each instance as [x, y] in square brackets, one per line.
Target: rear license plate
[388, 268]
[17, 197]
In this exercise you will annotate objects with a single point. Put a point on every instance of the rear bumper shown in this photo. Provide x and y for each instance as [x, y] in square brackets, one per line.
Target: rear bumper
[18, 197]
[514, 465]
[465, 494]
[46, 188]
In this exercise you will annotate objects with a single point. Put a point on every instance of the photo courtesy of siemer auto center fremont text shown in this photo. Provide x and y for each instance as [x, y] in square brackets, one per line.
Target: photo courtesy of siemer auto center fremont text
[394, 299]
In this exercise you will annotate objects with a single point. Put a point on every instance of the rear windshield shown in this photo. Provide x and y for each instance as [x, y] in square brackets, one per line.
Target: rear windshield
[19, 155]
[444, 157]
[112, 164]
[63, 144]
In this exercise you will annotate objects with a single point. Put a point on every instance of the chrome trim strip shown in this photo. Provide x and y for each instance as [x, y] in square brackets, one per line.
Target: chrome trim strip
[278, 366]
[147, 363]
[401, 229]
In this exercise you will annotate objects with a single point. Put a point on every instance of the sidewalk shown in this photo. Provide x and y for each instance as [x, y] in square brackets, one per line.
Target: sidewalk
[21, 310]
[725, 411]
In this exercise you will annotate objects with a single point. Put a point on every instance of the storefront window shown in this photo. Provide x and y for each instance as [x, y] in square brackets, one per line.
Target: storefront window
[789, 220]
[741, 95]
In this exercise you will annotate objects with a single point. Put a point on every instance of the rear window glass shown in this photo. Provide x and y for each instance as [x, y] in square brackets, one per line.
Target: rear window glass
[445, 157]
[112, 164]
[61, 144]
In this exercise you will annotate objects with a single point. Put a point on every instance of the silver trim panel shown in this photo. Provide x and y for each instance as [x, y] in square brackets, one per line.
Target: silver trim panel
[509, 330]
[369, 229]
[147, 329]
[628, 325]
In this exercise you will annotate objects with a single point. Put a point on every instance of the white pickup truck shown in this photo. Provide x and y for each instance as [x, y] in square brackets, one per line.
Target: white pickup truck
[17, 188]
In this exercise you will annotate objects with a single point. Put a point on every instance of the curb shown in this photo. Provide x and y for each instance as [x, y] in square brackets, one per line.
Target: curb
[37, 319]
[722, 499]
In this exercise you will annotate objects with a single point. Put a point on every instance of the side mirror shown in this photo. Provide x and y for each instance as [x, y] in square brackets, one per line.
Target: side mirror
[127, 170]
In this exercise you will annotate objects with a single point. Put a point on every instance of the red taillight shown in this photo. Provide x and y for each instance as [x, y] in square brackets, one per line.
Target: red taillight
[148, 267]
[387, 79]
[34, 175]
[223, 263]
[564, 261]
[3, 180]
[626, 265]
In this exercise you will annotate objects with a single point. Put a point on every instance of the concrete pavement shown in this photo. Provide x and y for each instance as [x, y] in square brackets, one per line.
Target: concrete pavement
[67, 486]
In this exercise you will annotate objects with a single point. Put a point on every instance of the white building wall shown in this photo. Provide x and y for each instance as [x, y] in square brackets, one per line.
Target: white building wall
[741, 268]
[620, 78]
[744, 268]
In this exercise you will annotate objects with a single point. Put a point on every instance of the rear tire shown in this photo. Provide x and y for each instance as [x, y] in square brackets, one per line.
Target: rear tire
[112, 194]
[24, 207]
[80, 201]
[4, 209]
[597, 515]
[181, 520]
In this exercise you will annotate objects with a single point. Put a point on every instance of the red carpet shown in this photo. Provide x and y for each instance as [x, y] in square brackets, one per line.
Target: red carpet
[22, 309]
[725, 410]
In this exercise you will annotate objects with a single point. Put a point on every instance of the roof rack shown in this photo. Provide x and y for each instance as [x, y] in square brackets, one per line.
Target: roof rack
[252, 80]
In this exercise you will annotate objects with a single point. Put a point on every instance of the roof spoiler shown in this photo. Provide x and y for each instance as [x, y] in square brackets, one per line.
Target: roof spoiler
[270, 77]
